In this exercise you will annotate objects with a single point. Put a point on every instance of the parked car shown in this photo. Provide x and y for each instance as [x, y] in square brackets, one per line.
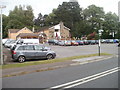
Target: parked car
[116, 40]
[103, 41]
[53, 42]
[119, 44]
[74, 43]
[92, 42]
[8, 42]
[109, 41]
[86, 42]
[67, 43]
[3, 41]
[97, 41]
[61, 42]
[80, 42]
[22, 53]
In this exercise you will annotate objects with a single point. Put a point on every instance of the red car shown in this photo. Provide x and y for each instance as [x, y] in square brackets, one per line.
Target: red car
[74, 43]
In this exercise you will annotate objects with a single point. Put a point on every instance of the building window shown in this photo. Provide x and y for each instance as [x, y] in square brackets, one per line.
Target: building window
[56, 30]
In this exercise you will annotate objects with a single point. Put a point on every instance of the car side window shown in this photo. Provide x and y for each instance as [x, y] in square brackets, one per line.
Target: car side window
[20, 48]
[29, 47]
[38, 47]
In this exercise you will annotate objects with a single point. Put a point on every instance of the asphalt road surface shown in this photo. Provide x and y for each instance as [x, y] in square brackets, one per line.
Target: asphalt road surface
[105, 70]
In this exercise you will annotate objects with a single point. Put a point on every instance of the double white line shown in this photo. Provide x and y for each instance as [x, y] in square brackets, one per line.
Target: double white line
[84, 80]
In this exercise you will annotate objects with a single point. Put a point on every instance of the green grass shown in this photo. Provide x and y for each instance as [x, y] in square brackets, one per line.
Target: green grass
[48, 61]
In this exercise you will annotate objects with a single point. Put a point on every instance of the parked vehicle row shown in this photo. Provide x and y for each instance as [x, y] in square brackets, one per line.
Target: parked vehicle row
[80, 42]
[25, 49]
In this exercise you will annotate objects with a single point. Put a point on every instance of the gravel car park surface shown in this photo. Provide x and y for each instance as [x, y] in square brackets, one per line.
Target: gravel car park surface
[68, 51]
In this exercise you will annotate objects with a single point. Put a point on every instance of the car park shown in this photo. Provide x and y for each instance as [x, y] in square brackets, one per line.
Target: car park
[22, 53]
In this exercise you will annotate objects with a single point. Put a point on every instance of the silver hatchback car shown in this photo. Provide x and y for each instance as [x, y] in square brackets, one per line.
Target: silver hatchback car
[34, 51]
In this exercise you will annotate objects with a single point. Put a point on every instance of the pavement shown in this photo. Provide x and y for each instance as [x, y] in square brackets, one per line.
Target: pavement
[45, 67]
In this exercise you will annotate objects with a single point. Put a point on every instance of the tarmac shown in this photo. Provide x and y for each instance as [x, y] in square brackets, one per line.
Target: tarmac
[45, 67]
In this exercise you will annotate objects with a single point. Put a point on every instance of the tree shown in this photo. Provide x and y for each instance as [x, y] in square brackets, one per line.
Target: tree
[19, 18]
[69, 13]
[94, 15]
[110, 25]
[39, 20]
[81, 29]
[22, 17]
[5, 21]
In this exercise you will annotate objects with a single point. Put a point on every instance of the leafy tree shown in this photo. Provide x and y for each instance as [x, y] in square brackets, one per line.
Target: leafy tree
[81, 28]
[21, 18]
[110, 25]
[5, 21]
[69, 13]
[94, 15]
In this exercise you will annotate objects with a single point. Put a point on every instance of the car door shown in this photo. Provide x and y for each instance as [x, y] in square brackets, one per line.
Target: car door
[40, 52]
[29, 52]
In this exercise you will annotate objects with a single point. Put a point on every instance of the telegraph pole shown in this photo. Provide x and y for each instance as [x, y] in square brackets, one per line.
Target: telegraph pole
[1, 48]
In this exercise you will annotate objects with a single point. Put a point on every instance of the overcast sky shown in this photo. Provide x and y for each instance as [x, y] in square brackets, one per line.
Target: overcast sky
[46, 6]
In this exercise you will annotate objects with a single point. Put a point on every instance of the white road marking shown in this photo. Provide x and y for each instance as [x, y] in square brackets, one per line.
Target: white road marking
[86, 79]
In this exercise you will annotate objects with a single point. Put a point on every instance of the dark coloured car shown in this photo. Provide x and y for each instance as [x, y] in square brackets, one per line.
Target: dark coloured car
[86, 42]
[53, 42]
[24, 52]
[92, 42]
[80, 42]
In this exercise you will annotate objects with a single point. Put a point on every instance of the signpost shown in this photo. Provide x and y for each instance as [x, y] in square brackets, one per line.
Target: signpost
[99, 44]
[1, 53]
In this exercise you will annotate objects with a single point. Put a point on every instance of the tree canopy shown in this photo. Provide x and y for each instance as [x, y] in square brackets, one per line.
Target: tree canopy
[82, 22]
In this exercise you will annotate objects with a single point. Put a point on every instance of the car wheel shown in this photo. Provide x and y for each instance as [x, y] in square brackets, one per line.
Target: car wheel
[21, 59]
[50, 56]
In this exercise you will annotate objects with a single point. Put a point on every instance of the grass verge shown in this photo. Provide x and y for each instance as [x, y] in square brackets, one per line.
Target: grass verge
[48, 61]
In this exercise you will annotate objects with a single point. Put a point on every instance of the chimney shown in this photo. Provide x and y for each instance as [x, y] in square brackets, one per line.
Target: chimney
[61, 25]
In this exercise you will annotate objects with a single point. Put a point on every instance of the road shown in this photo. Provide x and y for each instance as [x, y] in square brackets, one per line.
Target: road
[53, 78]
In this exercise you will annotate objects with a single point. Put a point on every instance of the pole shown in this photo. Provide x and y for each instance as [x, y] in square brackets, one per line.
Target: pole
[99, 45]
[100, 33]
[1, 53]
[1, 47]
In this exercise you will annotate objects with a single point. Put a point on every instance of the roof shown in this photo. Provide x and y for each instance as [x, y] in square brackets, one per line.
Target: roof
[28, 35]
[16, 30]
[13, 30]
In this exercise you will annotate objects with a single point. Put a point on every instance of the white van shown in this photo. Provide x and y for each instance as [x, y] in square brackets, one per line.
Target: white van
[25, 41]
[28, 41]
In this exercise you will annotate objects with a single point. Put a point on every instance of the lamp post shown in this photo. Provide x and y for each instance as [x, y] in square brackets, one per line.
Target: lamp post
[100, 33]
[1, 53]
